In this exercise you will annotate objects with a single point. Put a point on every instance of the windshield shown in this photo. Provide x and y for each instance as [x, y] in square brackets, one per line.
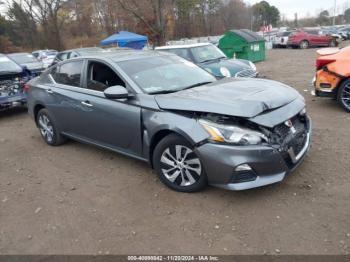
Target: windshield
[164, 74]
[7, 65]
[206, 53]
[24, 58]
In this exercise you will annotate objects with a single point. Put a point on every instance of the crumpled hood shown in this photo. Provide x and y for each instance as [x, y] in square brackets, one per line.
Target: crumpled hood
[241, 97]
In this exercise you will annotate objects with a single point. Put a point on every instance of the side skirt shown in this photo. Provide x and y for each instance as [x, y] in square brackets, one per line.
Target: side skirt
[113, 149]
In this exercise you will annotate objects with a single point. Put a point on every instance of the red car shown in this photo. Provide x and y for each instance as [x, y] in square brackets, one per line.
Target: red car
[306, 38]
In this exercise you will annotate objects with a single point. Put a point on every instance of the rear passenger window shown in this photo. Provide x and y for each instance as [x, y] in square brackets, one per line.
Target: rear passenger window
[68, 73]
[312, 32]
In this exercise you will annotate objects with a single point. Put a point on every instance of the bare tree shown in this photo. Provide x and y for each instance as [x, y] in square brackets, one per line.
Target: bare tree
[151, 13]
[46, 14]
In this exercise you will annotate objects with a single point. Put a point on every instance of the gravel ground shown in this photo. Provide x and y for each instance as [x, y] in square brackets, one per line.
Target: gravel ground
[77, 199]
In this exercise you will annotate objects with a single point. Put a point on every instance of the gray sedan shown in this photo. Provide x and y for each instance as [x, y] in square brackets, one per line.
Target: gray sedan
[194, 130]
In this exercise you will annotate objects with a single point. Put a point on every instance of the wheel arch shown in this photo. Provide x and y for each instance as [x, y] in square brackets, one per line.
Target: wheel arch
[345, 78]
[160, 135]
[304, 40]
[36, 110]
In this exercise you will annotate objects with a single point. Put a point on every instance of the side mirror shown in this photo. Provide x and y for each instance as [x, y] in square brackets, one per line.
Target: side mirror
[116, 92]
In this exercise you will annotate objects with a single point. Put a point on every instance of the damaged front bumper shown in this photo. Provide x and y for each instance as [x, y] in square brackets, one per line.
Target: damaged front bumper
[246, 167]
[12, 94]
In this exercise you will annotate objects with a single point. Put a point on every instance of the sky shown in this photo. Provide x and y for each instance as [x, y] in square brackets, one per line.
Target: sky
[305, 7]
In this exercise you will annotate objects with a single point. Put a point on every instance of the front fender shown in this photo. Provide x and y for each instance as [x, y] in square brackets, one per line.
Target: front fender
[162, 121]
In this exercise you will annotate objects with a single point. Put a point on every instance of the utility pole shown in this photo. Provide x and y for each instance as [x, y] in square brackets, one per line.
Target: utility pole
[335, 9]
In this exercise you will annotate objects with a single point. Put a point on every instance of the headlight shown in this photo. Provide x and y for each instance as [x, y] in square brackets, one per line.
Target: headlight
[225, 72]
[232, 134]
[252, 66]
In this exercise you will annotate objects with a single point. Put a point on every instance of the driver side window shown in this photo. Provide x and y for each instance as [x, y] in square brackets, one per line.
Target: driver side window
[101, 76]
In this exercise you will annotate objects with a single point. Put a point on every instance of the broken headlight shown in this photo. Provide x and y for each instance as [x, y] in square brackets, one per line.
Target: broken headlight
[232, 134]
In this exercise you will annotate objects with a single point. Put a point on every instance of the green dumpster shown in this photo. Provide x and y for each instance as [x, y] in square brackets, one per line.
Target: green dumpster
[243, 44]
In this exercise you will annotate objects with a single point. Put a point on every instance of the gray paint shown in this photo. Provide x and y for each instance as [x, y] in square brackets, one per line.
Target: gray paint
[235, 97]
[128, 126]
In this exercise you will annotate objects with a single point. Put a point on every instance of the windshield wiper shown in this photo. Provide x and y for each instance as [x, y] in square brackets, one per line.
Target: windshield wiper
[168, 91]
[213, 59]
[163, 92]
[198, 84]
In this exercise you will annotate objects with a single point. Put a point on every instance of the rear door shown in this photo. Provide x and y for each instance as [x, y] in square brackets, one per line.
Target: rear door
[313, 37]
[65, 94]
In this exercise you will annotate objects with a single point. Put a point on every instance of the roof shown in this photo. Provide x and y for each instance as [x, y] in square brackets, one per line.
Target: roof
[18, 54]
[124, 55]
[83, 49]
[45, 50]
[248, 35]
[126, 39]
[182, 46]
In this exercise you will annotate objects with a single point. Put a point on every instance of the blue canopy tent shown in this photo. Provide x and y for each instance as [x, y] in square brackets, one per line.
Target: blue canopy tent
[126, 39]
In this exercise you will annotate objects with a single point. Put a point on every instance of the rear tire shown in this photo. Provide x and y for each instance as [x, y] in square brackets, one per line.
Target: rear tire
[304, 44]
[178, 166]
[48, 129]
[344, 95]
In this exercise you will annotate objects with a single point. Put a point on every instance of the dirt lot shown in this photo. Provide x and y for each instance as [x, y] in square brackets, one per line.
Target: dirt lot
[77, 199]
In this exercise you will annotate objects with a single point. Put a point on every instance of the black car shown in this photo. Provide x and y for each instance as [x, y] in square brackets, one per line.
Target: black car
[69, 54]
[28, 61]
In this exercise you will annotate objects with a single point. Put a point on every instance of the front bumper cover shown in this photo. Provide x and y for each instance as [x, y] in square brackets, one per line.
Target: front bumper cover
[268, 163]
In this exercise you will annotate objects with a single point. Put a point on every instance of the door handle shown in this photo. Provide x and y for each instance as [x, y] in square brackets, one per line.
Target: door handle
[49, 91]
[86, 103]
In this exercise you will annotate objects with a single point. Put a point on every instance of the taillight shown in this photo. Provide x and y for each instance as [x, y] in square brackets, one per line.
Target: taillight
[26, 88]
[320, 63]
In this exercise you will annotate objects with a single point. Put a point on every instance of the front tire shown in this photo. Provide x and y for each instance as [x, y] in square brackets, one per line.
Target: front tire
[178, 166]
[48, 129]
[304, 44]
[344, 95]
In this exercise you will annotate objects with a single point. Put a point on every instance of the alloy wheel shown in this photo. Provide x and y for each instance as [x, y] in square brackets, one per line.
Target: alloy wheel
[304, 45]
[46, 128]
[180, 165]
[345, 96]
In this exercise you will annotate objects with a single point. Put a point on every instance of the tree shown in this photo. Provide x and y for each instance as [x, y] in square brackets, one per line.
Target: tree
[152, 15]
[264, 14]
[323, 18]
[235, 15]
[24, 28]
[48, 15]
[347, 15]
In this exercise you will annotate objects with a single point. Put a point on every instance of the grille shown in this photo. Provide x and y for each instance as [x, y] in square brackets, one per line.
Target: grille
[284, 136]
[244, 176]
[246, 73]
